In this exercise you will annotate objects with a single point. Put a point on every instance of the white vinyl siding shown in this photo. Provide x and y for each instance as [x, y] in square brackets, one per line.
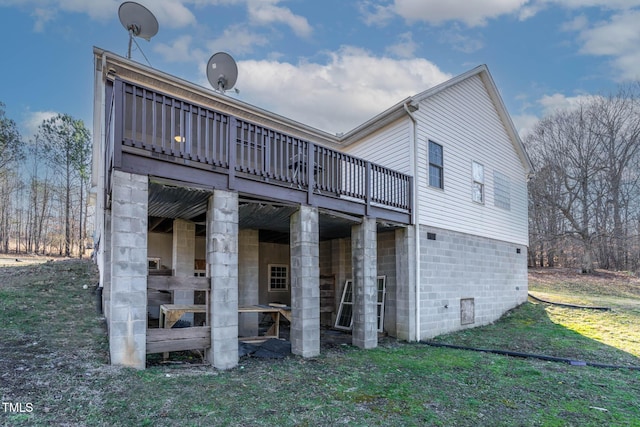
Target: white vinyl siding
[464, 120]
[389, 147]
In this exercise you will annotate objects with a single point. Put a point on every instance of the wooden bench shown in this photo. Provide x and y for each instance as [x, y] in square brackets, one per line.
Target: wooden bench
[164, 339]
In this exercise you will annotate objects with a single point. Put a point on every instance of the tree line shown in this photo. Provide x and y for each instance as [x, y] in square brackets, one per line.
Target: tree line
[44, 183]
[584, 197]
[584, 194]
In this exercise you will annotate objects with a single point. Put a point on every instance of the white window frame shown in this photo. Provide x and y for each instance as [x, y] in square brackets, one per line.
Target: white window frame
[477, 184]
[271, 277]
[438, 166]
[344, 319]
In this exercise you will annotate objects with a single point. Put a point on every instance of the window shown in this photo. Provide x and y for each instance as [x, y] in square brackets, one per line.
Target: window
[502, 190]
[436, 165]
[278, 277]
[477, 189]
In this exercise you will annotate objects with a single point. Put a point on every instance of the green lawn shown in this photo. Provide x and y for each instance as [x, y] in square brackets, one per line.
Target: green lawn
[53, 354]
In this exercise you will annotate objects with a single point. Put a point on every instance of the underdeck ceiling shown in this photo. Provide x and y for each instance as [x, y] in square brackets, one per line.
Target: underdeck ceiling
[167, 202]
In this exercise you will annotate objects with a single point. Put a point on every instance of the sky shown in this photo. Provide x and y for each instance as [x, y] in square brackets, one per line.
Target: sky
[331, 64]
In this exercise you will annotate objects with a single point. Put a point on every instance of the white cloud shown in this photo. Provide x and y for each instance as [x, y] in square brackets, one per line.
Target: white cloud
[579, 4]
[579, 23]
[524, 123]
[461, 42]
[557, 101]
[33, 119]
[265, 12]
[336, 96]
[375, 14]
[42, 16]
[618, 38]
[473, 13]
[169, 13]
[405, 48]
[547, 105]
[180, 51]
[238, 39]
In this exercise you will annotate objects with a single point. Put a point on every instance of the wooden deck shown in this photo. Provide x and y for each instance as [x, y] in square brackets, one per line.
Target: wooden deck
[151, 133]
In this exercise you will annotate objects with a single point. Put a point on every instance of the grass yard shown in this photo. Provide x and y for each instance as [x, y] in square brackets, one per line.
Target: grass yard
[54, 355]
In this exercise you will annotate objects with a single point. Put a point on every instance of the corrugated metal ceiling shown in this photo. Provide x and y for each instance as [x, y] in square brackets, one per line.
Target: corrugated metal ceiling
[168, 202]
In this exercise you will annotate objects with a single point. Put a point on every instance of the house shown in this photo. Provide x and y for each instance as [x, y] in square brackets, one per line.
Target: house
[209, 209]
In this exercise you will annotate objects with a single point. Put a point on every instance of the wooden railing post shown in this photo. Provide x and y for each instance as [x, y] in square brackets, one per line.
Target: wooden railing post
[232, 142]
[118, 123]
[367, 187]
[409, 199]
[310, 172]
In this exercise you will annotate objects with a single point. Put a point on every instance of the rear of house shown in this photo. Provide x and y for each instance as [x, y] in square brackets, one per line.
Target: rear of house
[470, 175]
[218, 213]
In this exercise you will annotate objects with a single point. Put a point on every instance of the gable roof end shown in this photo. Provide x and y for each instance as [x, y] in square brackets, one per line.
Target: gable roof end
[397, 111]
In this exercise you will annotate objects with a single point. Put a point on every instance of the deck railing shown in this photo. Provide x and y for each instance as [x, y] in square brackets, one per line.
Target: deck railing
[165, 125]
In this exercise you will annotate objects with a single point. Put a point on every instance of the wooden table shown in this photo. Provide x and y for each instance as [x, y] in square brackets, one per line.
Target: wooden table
[171, 313]
[275, 312]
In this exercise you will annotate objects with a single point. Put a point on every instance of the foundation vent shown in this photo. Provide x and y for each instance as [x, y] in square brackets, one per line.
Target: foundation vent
[467, 311]
[431, 236]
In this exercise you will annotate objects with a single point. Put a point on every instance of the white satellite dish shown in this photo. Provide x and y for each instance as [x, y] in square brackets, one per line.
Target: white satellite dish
[138, 20]
[222, 71]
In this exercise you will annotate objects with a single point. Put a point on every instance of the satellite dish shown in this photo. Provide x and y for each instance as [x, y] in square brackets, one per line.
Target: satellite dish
[222, 71]
[138, 20]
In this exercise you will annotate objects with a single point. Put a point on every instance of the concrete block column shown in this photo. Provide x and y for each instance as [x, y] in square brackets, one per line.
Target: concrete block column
[222, 260]
[128, 302]
[105, 270]
[248, 280]
[406, 284]
[305, 282]
[365, 298]
[184, 255]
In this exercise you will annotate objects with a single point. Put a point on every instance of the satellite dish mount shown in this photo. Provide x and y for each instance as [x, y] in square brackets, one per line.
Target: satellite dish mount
[138, 21]
[222, 72]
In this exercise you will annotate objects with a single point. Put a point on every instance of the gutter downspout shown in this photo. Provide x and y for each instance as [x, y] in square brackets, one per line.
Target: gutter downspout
[415, 212]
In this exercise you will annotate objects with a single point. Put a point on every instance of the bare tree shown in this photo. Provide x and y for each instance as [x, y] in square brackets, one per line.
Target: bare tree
[615, 123]
[66, 143]
[568, 155]
[10, 154]
[587, 177]
[10, 142]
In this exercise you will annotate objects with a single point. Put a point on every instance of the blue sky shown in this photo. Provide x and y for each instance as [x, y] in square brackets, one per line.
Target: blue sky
[331, 64]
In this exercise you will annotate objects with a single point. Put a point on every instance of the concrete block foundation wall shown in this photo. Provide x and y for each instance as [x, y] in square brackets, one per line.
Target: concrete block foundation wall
[458, 266]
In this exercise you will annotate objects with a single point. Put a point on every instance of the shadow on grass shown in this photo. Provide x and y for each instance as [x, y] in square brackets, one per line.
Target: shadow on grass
[529, 328]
